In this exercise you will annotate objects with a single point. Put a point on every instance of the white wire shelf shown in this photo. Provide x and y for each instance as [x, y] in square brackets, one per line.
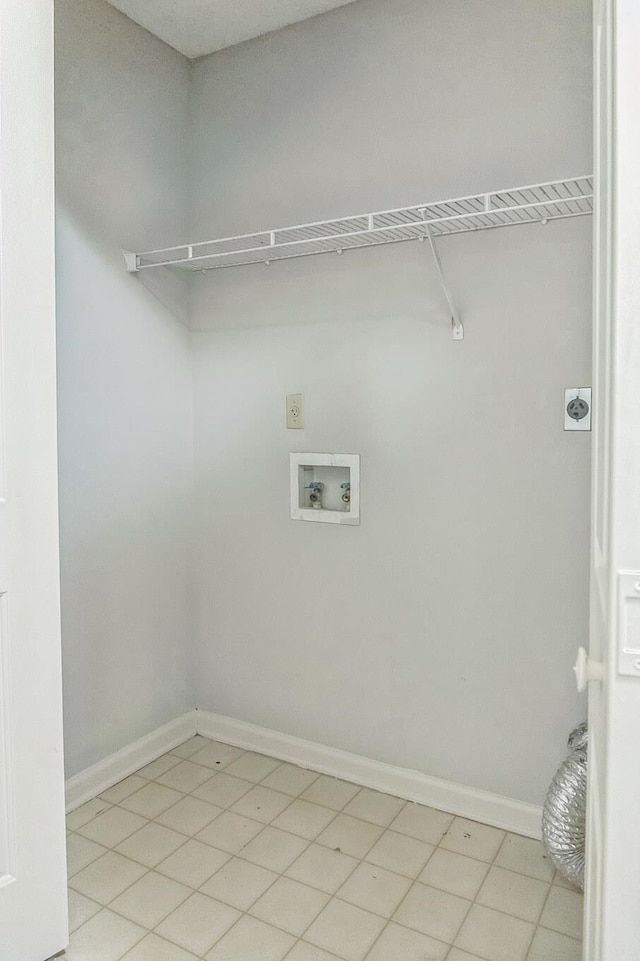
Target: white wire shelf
[536, 203]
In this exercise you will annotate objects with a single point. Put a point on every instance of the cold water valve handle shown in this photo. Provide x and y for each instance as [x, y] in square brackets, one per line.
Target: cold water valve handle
[346, 489]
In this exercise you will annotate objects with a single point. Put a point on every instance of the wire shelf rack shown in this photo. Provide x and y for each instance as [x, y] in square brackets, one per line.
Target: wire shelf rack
[536, 203]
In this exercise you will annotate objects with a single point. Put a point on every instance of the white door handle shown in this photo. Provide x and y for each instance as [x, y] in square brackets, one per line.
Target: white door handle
[587, 670]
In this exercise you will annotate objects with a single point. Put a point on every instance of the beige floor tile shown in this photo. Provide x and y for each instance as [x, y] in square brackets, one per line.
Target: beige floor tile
[322, 868]
[187, 793]
[290, 779]
[330, 792]
[106, 878]
[188, 748]
[400, 853]
[515, 894]
[223, 789]
[432, 912]
[495, 936]
[345, 930]
[150, 899]
[303, 951]
[402, 944]
[159, 766]
[105, 937]
[525, 856]
[239, 883]
[80, 909]
[457, 955]
[253, 767]
[151, 844]
[80, 852]
[153, 948]
[189, 815]
[373, 806]
[289, 905]
[216, 755]
[123, 789]
[230, 832]
[251, 940]
[261, 804]
[274, 849]
[454, 873]
[112, 826]
[423, 823]
[193, 863]
[552, 946]
[151, 800]
[185, 776]
[198, 923]
[374, 889]
[304, 819]
[350, 836]
[563, 912]
[86, 812]
[472, 839]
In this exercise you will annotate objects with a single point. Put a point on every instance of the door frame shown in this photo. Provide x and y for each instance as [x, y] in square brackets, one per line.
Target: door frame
[612, 916]
[33, 889]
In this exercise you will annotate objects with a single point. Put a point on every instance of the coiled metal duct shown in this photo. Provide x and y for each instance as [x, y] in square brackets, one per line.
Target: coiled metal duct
[565, 808]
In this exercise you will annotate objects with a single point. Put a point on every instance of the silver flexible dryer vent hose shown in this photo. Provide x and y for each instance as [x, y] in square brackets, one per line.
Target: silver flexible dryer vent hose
[564, 812]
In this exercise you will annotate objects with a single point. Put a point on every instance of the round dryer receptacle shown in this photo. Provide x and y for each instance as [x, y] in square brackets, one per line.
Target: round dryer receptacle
[577, 408]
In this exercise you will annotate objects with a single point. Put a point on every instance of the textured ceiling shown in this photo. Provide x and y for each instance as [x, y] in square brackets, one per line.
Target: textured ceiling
[199, 27]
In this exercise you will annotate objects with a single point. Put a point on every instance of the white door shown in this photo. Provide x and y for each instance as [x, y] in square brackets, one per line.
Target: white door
[33, 913]
[612, 918]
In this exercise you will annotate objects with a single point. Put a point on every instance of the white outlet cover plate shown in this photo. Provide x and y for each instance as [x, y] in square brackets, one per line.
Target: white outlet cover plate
[352, 461]
[570, 394]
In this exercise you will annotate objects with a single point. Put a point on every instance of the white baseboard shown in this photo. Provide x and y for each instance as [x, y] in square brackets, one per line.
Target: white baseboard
[468, 802]
[97, 778]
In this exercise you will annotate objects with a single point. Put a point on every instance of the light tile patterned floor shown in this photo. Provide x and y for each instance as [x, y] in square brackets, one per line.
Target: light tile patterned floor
[215, 853]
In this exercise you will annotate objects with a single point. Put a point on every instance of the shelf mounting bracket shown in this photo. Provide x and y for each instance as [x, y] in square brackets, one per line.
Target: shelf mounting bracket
[456, 323]
[131, 260]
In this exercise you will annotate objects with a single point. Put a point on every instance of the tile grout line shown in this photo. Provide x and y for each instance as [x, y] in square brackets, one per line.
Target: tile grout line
[150, 870]
[491, 864]
[238, 855]
[231, 855]
[351, 873]
[403, 899]
[283, 875]
[538, 924]
[438, 847]
[293, 799]
[475, 901]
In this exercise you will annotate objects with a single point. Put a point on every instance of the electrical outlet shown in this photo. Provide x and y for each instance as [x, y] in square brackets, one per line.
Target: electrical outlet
[295, 411]
[577, 408]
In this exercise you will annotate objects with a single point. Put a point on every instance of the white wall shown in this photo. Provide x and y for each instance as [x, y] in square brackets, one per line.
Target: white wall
[124, 382]
[439, 634]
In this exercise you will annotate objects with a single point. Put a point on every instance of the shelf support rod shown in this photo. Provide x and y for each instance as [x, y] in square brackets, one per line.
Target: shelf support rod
[456, 323]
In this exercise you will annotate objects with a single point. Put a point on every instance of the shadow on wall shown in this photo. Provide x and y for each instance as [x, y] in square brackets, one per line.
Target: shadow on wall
[125, 468]
[169, 288]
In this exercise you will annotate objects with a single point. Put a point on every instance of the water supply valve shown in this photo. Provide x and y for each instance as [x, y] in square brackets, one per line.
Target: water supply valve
[346, 492]
[315, 497]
